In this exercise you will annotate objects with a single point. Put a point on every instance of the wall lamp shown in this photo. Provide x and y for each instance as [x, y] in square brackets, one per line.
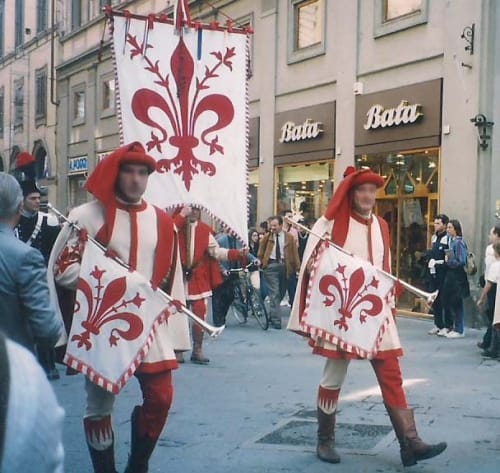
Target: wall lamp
[468, 35]
[483, 126]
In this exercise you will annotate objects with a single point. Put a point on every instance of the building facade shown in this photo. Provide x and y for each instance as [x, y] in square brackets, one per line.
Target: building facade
[406, 87]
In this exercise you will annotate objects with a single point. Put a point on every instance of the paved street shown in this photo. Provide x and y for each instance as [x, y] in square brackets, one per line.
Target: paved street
[252, 409]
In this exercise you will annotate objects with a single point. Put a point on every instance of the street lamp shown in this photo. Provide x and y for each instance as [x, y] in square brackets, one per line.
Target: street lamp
[482, 127]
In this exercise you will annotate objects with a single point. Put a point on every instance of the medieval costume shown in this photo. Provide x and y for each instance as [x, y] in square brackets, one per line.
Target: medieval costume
[367, 237]
[144, 237]
[199, 254]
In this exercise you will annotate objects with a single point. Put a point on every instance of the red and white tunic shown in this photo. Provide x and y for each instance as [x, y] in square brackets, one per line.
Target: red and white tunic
[367, 239]
[138, 235]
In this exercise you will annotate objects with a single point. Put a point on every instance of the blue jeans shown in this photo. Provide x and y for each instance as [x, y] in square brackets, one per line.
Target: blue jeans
[458, 313]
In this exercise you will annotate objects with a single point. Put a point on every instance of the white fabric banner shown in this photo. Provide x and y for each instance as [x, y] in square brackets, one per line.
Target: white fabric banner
[116, 315]
[348, 302]
[184, 97]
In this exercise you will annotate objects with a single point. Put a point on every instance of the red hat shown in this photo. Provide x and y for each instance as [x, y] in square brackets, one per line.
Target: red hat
[339, 207]
[24, 159]
[101, 183]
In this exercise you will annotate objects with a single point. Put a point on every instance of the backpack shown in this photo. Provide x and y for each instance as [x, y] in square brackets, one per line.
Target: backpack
[470, 265]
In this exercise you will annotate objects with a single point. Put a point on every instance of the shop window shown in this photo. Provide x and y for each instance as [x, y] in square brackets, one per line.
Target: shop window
[396, 15]
[19, 105]
[408, 201]
[306, 29]
[41, 161]
[304, 189]
[108, 96]
[78, 106]
[252, 190]
[76, 189]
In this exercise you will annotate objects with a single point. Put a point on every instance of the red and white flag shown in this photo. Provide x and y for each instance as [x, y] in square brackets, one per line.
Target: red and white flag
[116, 315]
[348, 302]
[183, 95]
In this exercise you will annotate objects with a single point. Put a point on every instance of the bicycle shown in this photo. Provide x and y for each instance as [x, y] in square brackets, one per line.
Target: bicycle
[247, 299]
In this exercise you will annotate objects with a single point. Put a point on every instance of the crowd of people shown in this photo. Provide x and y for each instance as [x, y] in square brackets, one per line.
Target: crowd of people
[180, 254]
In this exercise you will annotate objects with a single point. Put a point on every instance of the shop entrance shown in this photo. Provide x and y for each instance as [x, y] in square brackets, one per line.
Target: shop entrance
[408, 201]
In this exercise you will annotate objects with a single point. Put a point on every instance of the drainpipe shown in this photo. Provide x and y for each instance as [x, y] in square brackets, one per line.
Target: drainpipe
[53, 101]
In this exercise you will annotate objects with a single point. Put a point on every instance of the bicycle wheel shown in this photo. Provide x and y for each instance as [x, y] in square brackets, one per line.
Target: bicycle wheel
[258, 307]
[239, 306]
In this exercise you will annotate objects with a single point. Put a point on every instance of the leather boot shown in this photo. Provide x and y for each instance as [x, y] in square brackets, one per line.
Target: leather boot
[101, 448]
[326, 438]
[413, 448]
[197, 354]
[141, 448]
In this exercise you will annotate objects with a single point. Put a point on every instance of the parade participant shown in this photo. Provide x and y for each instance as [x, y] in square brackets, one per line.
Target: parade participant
[437, 271]
[27, 316]
[39, 230]
[279, 262]
[349, 222]
[144, 237]
[199, 254]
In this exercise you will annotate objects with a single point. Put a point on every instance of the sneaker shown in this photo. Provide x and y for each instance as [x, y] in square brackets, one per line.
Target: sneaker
[454, 334]
[434, 330]
[443, 332]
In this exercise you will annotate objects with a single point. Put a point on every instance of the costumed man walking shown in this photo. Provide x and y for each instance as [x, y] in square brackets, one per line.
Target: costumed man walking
[349, 222]
[39, 230]
[199, 255]
[145, 238]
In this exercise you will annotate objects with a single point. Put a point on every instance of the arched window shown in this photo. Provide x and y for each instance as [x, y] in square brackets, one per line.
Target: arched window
[13, 158]
[41, 164]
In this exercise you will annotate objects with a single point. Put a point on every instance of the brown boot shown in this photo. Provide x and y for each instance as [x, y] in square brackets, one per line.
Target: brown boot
[326, 438]
[197, 354]
[100, 441]
[413, 448]
[141, 448]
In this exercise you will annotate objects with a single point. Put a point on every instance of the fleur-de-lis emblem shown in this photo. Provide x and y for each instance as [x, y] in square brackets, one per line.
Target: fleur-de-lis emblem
[181, 111]
[353, 294]
[107, 309]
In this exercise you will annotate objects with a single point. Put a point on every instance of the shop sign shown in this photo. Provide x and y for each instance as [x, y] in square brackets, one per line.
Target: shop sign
[403, 114]
[290, 132]
[77, 165]
[101, 156]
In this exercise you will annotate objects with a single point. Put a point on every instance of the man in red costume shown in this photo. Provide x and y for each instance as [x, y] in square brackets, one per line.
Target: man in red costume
[350, 223]
[144, 237]
[199, 254]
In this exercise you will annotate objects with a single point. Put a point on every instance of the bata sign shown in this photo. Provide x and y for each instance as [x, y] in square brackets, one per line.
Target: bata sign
[308, 130]
[378, 117]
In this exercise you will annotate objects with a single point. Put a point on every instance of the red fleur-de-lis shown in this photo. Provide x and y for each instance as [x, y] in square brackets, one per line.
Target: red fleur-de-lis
[352, 293]
[181, 111]
[106, 309]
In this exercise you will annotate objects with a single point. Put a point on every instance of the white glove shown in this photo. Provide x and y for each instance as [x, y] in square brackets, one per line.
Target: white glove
[432, 263]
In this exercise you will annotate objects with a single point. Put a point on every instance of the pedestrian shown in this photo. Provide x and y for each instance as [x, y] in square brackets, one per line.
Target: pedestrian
[27, 315]
[291, 283]
[253, 248]
[437, 272]
[350, 223]
[200, 254]
[223, 295]
[38, 230]
[488, 295]
[303, 235]
[143, 236]
[489, 258]
[31, 419]
[279, 257]
[456, 285]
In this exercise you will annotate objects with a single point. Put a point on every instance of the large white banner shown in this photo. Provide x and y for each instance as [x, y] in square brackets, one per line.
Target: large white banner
[184, 97]
[348, 302]
[117, 313]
